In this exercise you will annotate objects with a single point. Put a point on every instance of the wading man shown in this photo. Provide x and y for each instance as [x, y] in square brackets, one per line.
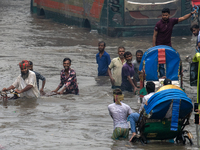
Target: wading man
[116, 64]
[136, 64]
[25, 84]
[38, 77]
[68, 79]
[103, 59]
[119, 112]
[128, 82]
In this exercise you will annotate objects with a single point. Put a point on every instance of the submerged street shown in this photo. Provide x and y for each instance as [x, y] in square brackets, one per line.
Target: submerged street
[68, 121]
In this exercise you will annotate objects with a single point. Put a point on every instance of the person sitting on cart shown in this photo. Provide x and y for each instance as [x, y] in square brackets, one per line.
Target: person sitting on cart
[167, 81]
[134, 117]
[195, 30]
[198, 46]
[119, 112]
[169, 112]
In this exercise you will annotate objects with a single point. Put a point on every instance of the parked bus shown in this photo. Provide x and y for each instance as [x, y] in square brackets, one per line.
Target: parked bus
[114, 17]
[196, 2]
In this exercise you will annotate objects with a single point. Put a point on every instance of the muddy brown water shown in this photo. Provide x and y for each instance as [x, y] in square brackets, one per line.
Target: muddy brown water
[67, 121]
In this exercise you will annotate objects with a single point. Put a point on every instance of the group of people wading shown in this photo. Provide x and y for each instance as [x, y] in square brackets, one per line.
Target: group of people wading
[27, 83]
[127, 72]
[123, 73]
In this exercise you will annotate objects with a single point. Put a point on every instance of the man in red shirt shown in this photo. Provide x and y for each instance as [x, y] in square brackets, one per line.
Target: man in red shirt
[163, 29]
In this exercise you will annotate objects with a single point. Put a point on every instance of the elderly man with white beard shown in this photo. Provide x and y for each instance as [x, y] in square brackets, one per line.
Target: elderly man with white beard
[25, 84]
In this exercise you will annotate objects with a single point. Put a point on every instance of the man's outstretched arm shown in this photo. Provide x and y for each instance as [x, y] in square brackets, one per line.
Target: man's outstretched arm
[28, 87]
[186, 16]
[9, 88]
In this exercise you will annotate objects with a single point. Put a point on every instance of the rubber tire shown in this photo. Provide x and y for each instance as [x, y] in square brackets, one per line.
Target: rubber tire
[187, 138]
[143, 140]
[180, 139]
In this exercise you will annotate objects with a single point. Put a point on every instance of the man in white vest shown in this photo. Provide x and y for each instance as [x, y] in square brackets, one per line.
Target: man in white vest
[25, 84]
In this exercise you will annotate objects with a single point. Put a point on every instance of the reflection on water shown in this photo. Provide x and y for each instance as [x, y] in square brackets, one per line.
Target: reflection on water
[66, 121]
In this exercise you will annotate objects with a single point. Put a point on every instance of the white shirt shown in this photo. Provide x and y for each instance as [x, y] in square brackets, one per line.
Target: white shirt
[20, 84]
[145, 99]
[119, 114]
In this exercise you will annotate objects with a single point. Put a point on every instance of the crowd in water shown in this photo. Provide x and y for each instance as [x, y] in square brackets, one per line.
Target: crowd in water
[124, 76]
[123, 73]
[27, 83]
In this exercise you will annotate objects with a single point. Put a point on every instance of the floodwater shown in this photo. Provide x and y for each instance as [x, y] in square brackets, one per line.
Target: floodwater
[67, 121]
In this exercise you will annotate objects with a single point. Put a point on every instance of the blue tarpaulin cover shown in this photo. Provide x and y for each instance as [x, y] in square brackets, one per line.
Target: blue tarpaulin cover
[159, 103]
[150, 58]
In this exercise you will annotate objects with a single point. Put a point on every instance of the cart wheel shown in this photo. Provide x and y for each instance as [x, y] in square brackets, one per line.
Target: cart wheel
[187, 139]
[143, 140]
[180, 139]
[134, 140]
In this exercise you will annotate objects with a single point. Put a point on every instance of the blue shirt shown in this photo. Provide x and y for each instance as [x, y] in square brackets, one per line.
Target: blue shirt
[38, 77]
[103, 63]
[127, 71]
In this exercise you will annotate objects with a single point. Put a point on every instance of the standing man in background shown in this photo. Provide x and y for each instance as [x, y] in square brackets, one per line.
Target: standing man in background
[128, 82]
[103, 59]
[195, 30]
[116, 64]
[136, 64]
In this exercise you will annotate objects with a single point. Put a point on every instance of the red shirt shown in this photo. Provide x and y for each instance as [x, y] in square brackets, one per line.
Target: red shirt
[165, 31]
